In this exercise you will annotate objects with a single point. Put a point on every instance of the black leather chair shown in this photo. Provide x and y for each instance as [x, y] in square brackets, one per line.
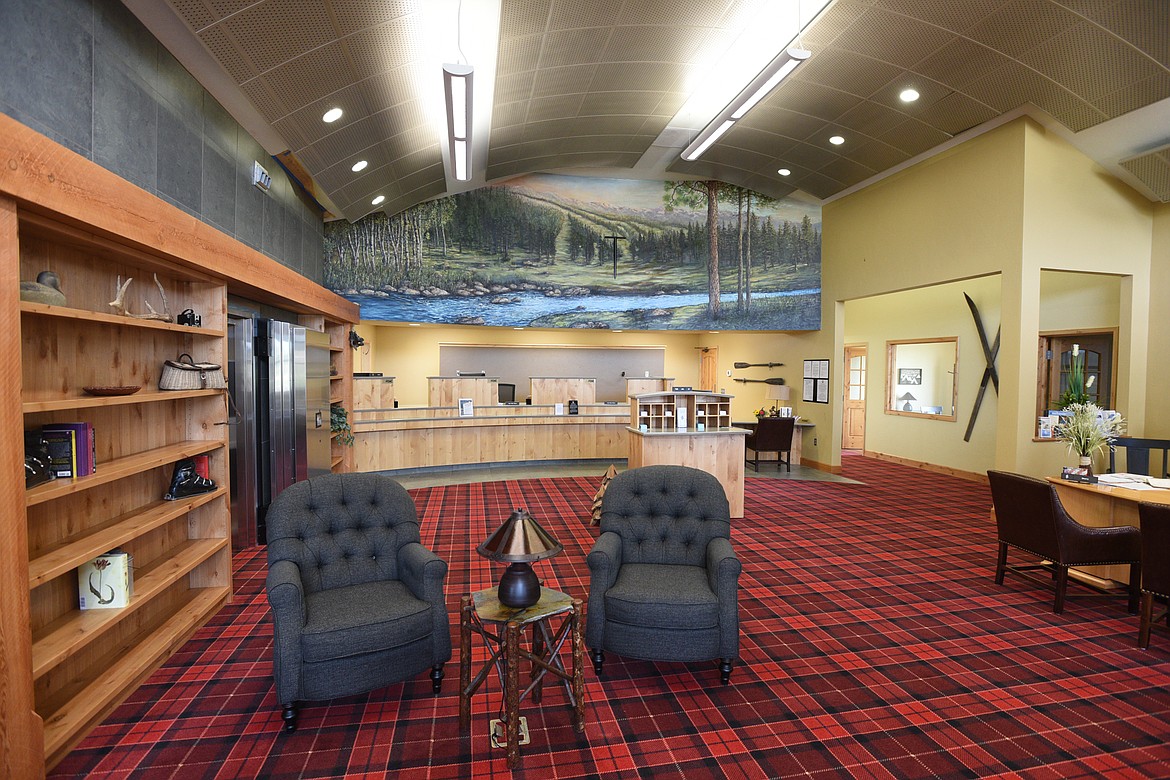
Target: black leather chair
[663, 574]
[1137, 455]
[357, 602]
[1155, 523]
[1030, 517]
[772, 434]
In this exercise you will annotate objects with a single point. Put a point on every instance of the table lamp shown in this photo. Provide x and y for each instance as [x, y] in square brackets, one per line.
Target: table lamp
[777, 393]
[518, 542]
[907, 397]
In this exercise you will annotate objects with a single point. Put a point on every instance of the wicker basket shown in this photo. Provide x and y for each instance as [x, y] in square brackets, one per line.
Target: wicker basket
[188, 375]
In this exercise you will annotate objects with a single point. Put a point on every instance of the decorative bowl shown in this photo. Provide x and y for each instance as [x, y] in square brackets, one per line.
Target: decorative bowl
[115, 390]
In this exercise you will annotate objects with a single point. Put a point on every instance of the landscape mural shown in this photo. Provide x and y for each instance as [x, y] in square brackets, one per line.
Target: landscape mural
[576, 252]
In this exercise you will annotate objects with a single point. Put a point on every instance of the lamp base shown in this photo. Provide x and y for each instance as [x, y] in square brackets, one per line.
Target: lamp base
[519, 586]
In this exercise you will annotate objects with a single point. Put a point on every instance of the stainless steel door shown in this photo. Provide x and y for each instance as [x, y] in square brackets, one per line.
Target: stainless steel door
[242, 434]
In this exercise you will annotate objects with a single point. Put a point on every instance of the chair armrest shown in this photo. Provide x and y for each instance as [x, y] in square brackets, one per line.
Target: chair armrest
[604, 561]
[1090, 545]
[723, 568]
[423, 572]
[286, 595]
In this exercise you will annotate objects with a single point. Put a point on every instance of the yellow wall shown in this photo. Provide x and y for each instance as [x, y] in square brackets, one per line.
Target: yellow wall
[1016, 202]
[919, 314]
[1158, 368]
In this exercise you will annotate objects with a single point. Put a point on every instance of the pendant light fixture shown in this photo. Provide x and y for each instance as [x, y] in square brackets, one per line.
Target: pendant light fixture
[457, 91]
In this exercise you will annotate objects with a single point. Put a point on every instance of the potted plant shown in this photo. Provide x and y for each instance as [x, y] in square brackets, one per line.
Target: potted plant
[339, 424]
[1087, 430]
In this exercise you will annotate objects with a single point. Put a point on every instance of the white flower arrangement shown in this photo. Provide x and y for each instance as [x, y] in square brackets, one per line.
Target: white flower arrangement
[1087, 429]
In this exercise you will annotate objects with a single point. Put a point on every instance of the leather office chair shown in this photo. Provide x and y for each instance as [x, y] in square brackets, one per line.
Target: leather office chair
[357, 602]
[1155, 523]
[772, 434]
[1030, 517]
[663, 575]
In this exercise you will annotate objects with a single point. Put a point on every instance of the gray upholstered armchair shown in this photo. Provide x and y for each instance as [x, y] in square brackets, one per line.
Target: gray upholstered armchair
[663, 575]
[357, 602]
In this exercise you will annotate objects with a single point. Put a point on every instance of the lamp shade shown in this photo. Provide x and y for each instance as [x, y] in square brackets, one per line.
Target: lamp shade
[907, 396]
[778, 393]
[519, 539]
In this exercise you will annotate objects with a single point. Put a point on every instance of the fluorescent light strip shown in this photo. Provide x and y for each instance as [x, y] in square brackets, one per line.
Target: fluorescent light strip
[777, 70]
[457, 87]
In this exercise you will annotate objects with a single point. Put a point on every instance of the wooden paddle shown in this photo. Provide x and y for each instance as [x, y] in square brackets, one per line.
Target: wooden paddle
[772, 380]
[752, 365]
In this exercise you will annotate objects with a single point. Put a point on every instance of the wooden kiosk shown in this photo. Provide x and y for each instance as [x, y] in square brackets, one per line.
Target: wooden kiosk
[689, 428]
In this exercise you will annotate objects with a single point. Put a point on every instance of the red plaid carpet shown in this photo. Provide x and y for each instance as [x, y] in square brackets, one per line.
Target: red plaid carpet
[874, 643]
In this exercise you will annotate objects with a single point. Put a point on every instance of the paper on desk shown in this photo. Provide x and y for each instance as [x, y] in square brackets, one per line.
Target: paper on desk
[1134, 481]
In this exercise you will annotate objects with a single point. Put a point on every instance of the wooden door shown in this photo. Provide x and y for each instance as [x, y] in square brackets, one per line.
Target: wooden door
[853, 419]
[709, 369]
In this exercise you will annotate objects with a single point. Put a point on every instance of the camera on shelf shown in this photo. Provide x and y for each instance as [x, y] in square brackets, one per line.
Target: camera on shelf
[189, 317]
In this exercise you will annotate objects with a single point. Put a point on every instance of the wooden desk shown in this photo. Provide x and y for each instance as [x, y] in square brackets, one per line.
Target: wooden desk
[718, 452]
[1102, 506]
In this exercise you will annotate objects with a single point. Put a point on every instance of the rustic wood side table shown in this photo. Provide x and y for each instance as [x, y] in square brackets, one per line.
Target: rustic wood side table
[502, 628]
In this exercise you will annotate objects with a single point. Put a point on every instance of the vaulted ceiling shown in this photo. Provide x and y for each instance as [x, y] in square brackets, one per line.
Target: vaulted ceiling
[601, 85]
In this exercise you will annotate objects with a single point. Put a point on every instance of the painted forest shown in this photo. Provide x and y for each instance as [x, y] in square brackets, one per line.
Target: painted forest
[751, 269]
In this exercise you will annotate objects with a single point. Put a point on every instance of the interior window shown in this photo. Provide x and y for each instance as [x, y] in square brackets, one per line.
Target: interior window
[920, 380]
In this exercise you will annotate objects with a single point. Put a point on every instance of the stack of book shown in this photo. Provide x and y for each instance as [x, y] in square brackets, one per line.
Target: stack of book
[72, 452]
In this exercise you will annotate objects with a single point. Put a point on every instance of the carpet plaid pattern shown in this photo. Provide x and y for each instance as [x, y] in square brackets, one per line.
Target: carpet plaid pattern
[874, 643]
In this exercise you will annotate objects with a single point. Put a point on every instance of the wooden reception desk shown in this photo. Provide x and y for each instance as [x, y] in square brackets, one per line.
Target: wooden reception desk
[1102, 506]
[421, 437]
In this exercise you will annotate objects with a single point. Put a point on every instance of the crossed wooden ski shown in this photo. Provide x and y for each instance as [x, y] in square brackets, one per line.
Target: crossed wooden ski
[989, 354]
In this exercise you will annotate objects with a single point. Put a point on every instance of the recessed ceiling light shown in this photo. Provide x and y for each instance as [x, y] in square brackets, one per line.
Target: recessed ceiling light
[908, 95]
[378, 200]
[360, 165]
[784, 172]
[836, 140]
[332, 115]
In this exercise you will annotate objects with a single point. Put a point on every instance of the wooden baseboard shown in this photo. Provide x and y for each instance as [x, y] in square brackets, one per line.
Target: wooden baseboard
[812, 464]
[916, 464]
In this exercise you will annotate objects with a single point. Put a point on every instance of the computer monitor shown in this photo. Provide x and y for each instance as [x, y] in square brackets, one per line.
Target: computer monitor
[507, 392]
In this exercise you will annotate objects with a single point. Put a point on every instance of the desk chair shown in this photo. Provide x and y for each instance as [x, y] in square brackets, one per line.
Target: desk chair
[772, 434]
[1030, 517]
[1137, 455]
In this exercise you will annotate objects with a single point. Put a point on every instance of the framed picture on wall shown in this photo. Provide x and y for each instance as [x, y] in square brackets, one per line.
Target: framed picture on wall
[909, 376]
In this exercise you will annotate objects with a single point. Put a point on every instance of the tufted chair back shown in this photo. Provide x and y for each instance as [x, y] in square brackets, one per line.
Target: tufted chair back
[342, 529]
[665, 514]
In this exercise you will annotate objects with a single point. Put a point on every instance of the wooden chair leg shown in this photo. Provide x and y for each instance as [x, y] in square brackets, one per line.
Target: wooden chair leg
[598, 661]
[437, 679]
[725, 671]
[1147, 614]
[1061, 587]
[1001, 563]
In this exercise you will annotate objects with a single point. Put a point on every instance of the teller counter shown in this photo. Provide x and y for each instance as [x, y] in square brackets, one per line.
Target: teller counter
[422, 437]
